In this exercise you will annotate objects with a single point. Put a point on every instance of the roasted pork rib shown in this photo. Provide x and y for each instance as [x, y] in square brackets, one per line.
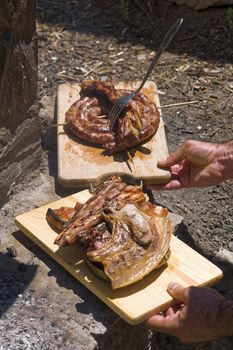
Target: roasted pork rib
[88, 118]
[111, 192]
[123, 235]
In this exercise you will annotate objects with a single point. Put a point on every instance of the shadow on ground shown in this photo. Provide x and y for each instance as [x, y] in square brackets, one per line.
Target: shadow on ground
[204, 34]
[117, 331]
[91, 304]
[15, 276]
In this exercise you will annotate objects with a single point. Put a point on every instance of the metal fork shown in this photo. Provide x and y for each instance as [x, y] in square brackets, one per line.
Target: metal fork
[122, 102]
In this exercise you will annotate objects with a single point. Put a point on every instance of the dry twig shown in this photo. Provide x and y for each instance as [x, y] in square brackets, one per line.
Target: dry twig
[93, 69]
[179, 104]
[56, 125]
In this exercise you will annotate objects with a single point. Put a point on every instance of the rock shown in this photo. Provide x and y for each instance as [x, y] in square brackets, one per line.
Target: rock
[231, 246]
[175, 219]
[224, 256]
[11, 251]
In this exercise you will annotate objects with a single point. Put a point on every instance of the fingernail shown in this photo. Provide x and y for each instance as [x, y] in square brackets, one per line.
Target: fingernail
[172, 286]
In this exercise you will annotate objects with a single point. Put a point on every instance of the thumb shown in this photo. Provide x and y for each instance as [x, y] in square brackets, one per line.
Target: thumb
[177, 291]
[173, 158]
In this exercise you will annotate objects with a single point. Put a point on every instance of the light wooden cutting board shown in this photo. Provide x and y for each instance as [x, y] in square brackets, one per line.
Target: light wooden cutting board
[80, 164]
[133, 303]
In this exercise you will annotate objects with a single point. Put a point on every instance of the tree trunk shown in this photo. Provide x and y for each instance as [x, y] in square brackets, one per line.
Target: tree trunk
[20, 149]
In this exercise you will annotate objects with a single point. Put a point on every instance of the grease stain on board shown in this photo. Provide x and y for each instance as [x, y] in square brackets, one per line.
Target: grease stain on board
[80, 163]
[90, 154]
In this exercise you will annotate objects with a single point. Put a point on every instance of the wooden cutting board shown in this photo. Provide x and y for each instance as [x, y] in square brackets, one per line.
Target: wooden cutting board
[80, 164]
[133, 303]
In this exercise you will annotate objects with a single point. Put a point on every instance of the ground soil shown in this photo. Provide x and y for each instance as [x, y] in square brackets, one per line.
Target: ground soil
[41, 306]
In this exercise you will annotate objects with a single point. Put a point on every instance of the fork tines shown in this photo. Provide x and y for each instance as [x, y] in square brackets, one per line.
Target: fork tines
[114, 114]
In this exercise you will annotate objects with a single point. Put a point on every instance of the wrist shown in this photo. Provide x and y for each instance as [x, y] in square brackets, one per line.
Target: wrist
[225, 160]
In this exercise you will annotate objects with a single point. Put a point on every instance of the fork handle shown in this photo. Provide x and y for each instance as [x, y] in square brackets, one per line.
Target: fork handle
[165, 42]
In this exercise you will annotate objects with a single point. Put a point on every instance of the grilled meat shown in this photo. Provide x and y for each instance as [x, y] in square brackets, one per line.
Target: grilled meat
[90, 214]
[123, 235]
[59, 218]
[88, 118]
[139, 244]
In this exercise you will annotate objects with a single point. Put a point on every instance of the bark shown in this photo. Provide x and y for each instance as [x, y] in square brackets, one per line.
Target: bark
[20, 148]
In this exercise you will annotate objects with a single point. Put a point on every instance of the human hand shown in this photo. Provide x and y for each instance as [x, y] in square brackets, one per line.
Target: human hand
[201, 314]
[197, 164]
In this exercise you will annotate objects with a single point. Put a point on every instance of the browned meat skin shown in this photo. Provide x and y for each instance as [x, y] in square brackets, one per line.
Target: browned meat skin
[123, 236]
[90, 213]
[99, 88]
[83, 121]
[91, 239]
[88, 117]
[127, 259]
[59, 218]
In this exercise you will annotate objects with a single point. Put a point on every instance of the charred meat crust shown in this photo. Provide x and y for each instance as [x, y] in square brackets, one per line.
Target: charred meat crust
[90, 214]
[88, 118]
[126, 259]
[59, 218]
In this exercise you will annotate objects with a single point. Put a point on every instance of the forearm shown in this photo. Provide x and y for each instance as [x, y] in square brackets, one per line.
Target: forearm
[225, 318]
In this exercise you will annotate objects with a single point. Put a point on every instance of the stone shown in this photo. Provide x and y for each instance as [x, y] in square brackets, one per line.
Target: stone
[231, 246]
[175, 219]
[11, 251]
[224, 256]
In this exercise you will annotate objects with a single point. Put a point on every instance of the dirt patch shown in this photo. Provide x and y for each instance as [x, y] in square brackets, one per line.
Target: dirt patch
[42, 307]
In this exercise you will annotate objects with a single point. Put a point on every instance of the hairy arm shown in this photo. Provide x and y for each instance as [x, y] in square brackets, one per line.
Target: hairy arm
[198, 164]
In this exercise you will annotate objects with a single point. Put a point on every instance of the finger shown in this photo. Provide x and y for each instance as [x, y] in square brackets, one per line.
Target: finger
[170, 311]
[177, 291]
[162, 324]
[176, 168]
[173, 158]
[175, 182]
[174, 309]
[172, 185]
